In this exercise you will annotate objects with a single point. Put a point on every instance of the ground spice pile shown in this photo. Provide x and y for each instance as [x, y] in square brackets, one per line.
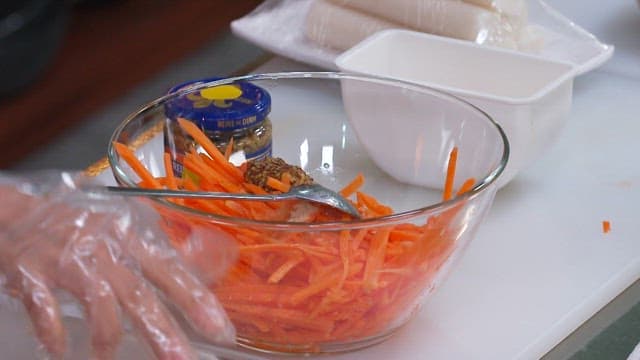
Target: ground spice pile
[259, 170]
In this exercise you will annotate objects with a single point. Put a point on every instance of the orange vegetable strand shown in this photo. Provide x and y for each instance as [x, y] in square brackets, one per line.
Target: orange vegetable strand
[229, 149]
[294, 287]
[466, 186]
[130, 158]
[211, 149]
[353, 186]
[277, 184]
[375, 258]
[451, 173]
[168, 169]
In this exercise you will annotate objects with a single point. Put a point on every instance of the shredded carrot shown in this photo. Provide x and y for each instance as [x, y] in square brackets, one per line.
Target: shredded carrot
[309, 249]
[229, 149]
[358, 238]
[277, 184]
[372, 204]
[353, 186]
[451, 173]
[375, 258]
[606, 226]
[255, 189]
[284, 269]
[466, 186]
[315, 288]
[211, 149]
[130, 158]
[168, 168]
[307, 288]
[286, 179]
[345, 254]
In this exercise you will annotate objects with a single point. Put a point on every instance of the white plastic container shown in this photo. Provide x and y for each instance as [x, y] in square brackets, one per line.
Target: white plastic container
[530, 97]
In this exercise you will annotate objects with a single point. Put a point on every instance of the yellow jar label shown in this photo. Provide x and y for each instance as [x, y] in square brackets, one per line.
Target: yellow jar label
[222, 92]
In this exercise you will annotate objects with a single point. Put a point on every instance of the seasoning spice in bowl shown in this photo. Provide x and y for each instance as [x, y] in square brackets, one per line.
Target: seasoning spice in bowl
[325, 282]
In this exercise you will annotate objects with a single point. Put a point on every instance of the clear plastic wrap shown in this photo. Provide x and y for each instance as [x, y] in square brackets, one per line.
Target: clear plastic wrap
[111, 255]
[511, 8]
[280, 26]
[340, 24]
[338, 27]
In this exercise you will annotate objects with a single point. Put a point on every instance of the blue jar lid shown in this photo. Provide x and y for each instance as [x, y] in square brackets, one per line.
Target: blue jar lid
[221, 108]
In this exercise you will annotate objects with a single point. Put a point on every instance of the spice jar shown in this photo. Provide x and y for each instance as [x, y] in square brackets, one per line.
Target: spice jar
[237, 112]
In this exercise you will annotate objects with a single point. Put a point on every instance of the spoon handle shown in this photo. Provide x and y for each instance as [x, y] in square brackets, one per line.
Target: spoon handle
[130, 191]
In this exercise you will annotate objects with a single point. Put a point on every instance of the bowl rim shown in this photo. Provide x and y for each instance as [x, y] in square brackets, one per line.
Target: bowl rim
[481, 186]
[344, 62]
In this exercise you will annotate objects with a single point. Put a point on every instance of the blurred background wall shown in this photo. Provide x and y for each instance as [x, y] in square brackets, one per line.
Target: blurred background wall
[70, 71]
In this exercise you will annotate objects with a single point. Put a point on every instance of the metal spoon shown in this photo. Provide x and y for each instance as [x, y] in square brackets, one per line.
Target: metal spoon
[314, 193]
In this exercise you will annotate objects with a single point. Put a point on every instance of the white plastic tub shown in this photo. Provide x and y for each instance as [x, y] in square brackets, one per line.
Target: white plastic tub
[530, 97]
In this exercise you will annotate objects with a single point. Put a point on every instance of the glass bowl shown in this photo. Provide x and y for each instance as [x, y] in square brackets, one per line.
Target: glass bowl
[338, 285]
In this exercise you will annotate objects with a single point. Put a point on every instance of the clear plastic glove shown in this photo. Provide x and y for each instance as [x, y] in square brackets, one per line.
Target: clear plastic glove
[108, 253]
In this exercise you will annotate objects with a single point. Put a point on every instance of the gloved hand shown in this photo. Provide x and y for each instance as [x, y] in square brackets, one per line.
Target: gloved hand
[110, 254]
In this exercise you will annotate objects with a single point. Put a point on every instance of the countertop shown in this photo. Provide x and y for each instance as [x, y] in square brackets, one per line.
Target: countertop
[100, 58]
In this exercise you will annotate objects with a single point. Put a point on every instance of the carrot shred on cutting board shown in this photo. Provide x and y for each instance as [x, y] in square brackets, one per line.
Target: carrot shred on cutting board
[295, 287]
[606, 226]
